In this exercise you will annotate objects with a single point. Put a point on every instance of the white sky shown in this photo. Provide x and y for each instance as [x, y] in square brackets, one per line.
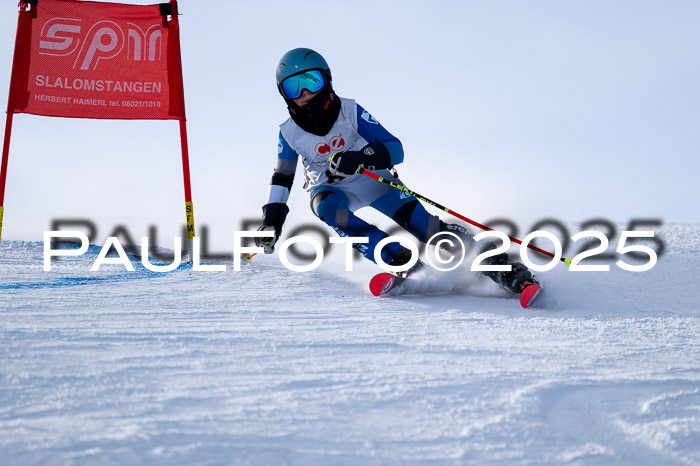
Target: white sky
[516, 109]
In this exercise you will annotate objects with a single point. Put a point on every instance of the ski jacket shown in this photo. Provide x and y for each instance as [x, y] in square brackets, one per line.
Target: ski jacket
[354, 129]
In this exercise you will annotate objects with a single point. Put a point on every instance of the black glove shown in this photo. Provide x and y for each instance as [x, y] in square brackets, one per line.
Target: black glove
[274, 215]
[267, 242]
[346, 163]
[374, 156]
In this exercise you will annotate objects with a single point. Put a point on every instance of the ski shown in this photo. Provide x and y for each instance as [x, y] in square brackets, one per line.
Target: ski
[529, 294]
[384, 282]
[387, 283]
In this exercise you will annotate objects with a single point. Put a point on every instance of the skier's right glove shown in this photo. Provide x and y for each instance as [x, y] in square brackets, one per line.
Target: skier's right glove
[346, 163]
[274, 215]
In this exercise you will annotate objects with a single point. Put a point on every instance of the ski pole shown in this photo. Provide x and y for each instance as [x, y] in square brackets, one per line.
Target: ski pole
[450, 211]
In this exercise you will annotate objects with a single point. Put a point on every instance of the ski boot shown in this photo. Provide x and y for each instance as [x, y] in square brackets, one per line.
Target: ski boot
[518, 280]
[461, 232]
[401, 257]
[515, 280]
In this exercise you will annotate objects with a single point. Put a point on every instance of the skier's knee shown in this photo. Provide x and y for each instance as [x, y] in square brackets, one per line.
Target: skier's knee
[404, 213]
[324, 201]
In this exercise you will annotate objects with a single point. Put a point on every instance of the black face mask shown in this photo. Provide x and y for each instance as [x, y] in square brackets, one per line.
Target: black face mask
[319, 114]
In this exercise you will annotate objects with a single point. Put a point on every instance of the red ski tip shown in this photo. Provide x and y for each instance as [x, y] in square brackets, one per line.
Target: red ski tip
[381, 283]
[529, 294]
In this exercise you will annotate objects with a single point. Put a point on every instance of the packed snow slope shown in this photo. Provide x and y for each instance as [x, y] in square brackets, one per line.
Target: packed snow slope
[269, 366]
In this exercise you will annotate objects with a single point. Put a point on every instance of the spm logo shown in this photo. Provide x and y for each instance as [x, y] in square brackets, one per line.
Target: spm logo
[103, 40]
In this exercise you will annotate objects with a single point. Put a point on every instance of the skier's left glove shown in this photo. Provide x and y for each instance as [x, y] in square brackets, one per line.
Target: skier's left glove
[274, 215]
[267, 242]
[374, 156]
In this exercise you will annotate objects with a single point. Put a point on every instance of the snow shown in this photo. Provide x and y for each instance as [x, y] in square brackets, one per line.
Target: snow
[269, 366]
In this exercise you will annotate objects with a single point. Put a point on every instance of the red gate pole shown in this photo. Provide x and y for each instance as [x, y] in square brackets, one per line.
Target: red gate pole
[3, 166]
[18, 90]
[189, 210]
[178, 102]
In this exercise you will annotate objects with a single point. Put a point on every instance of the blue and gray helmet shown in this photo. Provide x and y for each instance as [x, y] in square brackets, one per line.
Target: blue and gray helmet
[298, 62]
[301, 69]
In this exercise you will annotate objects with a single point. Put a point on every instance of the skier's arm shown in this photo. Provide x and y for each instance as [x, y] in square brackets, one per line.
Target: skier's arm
[387, 148]
[383, 149]
[275, 210]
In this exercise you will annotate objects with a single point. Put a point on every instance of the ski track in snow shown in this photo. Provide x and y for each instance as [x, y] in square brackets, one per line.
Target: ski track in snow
[268, 366]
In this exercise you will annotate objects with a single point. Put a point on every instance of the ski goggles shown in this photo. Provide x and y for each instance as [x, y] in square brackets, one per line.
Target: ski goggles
[311, 80]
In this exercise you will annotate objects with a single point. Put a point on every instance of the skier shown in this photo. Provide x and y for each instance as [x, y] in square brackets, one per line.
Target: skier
[334, 137]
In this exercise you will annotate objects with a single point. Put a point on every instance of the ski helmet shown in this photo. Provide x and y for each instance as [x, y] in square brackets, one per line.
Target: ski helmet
[301, 69]
[298, 61]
